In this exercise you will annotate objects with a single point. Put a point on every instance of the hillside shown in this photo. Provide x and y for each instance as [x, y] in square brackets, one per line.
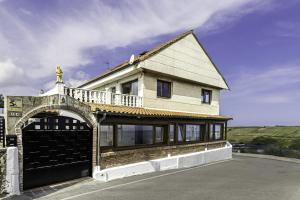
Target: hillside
[275, 140]
[285, 134]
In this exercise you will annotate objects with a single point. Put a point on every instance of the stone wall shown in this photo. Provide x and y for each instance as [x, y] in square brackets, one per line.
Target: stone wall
[2, 171]
[118, 158]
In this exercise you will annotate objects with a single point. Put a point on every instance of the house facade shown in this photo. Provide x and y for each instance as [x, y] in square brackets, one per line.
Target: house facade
[166, 98]
[160, 110]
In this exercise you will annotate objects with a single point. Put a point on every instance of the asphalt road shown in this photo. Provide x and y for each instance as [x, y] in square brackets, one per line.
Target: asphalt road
[241, 178]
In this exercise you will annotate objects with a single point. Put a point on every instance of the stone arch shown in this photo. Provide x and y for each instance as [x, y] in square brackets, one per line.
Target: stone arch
[83, 111]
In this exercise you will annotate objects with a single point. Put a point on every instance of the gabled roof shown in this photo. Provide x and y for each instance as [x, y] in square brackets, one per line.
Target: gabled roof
[147, 112]
[147, 54]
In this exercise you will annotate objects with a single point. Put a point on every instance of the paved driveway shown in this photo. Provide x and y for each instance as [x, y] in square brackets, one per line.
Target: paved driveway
[241, 178]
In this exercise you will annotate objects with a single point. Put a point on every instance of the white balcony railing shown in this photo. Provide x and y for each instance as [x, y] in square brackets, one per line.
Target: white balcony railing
[103, 97]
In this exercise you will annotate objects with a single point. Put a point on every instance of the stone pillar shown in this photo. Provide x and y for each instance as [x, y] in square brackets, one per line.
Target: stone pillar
[12, 171]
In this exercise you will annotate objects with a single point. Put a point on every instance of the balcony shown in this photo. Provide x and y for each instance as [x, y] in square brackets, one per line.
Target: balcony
[103, 97]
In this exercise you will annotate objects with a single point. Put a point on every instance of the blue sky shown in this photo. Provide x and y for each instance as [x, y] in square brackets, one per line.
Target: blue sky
[254, 43]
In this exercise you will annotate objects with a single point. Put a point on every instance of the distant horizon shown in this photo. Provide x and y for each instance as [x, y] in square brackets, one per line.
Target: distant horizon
[254, 44]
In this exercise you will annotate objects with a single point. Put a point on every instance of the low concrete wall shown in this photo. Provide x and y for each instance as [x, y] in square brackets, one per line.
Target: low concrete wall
[124, 157]
[171, 162]
[2, 172]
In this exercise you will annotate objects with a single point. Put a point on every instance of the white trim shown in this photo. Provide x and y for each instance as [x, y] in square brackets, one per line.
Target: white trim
[114, 75]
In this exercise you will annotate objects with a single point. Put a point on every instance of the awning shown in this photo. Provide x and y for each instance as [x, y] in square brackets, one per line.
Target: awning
[147, 112]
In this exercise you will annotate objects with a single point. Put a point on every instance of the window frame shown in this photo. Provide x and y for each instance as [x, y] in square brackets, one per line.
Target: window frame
[210, 96]
[194, 141]
[170, 89]
[130, 82]
[213, 134]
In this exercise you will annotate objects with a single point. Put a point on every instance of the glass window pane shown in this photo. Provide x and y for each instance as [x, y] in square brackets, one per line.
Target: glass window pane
[206, 96]
[180, 133]
[192, 133]
[134, 88]
[130, 135]
[166, 89]
[171, 132]
[211, 132]
[163, 89]
[126, 135]
[217, 131]
[144, 134]
[159, 134]
[130, 88]
[106, 135]
[159, 90]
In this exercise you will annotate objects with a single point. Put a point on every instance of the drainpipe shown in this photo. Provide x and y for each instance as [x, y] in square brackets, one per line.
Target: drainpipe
[99, 120]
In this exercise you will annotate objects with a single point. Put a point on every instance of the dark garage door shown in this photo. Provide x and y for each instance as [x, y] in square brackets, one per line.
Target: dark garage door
[56, 149]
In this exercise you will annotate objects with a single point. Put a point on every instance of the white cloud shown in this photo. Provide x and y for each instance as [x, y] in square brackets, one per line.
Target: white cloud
[254, 86]
[10, 74]
[268, 96]
[33, 48]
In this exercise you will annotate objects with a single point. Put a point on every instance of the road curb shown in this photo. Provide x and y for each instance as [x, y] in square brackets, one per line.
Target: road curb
[270, 157]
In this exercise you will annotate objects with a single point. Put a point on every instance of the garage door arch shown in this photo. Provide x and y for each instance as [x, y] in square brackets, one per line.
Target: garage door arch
[83, 111]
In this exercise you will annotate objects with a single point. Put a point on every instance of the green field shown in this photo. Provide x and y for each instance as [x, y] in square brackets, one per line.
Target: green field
[276, 140]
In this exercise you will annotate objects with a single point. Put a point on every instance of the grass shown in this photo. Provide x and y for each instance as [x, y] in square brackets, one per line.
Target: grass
[286, 135]
[276, 140]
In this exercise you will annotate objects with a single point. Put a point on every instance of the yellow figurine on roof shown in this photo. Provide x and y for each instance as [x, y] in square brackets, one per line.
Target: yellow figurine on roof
[59, 74]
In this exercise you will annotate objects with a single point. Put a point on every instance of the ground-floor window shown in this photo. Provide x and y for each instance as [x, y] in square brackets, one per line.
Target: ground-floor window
[106, 135]
[127, 135]
[192, 133]
[180, 133]
[159, 134]
[216, 131]
[130, 135]
[171, 133]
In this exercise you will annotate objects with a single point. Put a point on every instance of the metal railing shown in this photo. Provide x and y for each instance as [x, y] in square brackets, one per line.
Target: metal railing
[103, 97]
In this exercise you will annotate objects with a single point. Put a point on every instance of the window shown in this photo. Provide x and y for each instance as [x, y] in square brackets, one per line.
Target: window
[163, 89]
[206, 96]
[192, 133]
[130, 87]
[106, 135]
[180, 133]
[171, 132]
[74, 121]
[130, 135]
[215, 132]
[159, 134]
[143, 134]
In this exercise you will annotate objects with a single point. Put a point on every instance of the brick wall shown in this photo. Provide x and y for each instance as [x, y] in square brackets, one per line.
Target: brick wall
[118, 158]
[2, 171]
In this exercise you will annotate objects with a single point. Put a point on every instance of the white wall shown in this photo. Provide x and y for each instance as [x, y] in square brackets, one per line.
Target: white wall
[186, 59]
[186, 97]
